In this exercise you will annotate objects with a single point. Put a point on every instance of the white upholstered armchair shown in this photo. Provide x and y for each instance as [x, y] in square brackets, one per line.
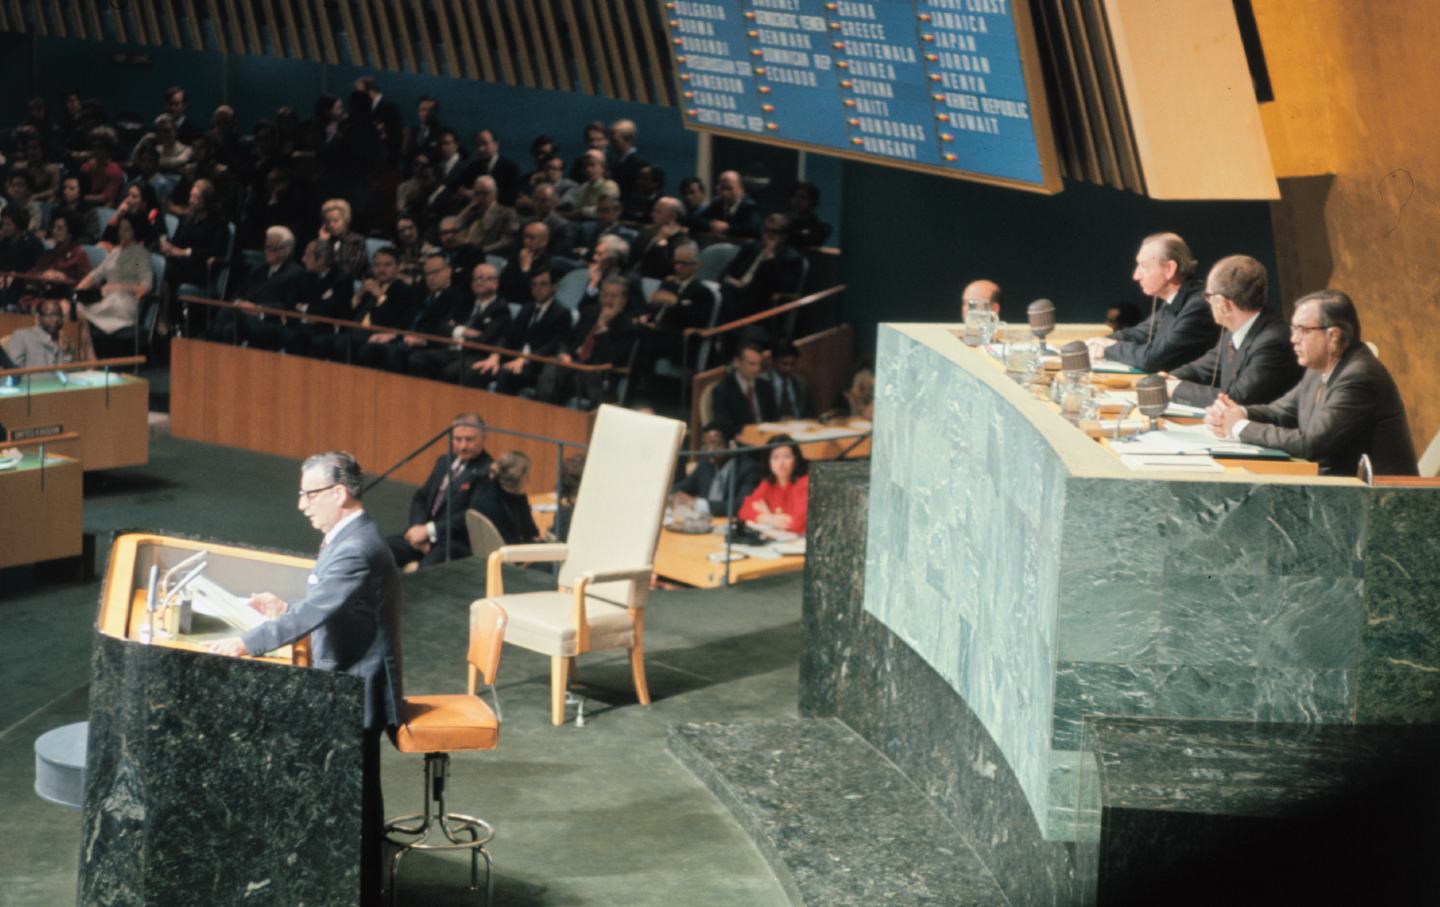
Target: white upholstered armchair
[605, 566]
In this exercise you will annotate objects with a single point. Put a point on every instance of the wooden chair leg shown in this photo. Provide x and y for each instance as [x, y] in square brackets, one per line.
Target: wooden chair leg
[637, 670]
[559, 666]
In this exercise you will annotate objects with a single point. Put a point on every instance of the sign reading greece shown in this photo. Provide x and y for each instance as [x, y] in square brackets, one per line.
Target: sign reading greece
[932, 83]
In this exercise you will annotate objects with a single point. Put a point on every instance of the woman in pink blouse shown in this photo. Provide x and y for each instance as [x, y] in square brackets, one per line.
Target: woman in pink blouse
[781, 497]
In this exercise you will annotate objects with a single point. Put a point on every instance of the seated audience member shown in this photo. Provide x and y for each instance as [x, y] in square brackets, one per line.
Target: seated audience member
[503, 502]
[449, 166]
[603, 337]
[278, 202]
[424, 139]
[489, 162]
[410, 247]
[413, 195]
[123, 278]
[743, 397]
[141, 199]
[981, 291]
[324, 291]
[538, 330]
[696, 199]
[552, 173]
[145, 170]
[275, 284]
[589, 234]
[434, 313]
[341, 247]
[383, 301]
[860, 395]
[792, 391]
[72, 200]
[651, 251]
[682, 301]
[200, 238]
[732, 215]
[581, 201]
[460, 255]
[177, 109]
[709, 484]
[1253, 362]
[571, 473]
[489, 225]
[608, 260]
[596, 138]
[531, 258]
[104, 177]
[203, 166]
[41, 344]
[542, 207]
[1180, 328]
[437, 509]
[764, 274]
[18, 196]
[625, 156]
[66, 264]
[45, 174]
[484, 318]
[173, 154]
[1345, 406]
[807, 230]
[1122, 315]
[782, 497]
[19, 248]
[649, 189]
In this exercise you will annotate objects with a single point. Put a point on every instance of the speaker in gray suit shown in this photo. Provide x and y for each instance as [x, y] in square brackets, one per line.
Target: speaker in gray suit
[1346, 405]
[351, 610]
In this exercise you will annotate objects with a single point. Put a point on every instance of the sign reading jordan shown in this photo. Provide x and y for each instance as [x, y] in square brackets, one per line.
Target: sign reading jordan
[947, 86]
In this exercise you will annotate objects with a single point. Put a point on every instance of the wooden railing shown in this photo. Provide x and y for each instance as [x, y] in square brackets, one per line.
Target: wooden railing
[450, 342]
[117, 362]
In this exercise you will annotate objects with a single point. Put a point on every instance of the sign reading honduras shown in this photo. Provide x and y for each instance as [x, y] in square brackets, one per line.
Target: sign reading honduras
[942, 85]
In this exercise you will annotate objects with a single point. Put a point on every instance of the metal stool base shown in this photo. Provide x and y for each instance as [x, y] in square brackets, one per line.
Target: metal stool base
[452, 828]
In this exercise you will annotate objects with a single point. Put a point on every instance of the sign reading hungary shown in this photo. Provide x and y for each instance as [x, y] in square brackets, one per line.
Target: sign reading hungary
[948, 86]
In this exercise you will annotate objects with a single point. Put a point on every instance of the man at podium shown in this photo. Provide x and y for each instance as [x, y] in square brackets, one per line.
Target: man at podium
[351, 610]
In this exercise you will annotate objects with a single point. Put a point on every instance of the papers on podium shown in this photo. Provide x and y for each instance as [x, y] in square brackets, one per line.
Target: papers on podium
[1189, 441]
[210, 599]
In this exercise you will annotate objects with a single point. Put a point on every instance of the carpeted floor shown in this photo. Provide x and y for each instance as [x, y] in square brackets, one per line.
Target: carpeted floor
[599, 814]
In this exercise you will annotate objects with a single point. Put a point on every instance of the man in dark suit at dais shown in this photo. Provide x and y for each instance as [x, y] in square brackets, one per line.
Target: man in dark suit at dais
[1346, 405]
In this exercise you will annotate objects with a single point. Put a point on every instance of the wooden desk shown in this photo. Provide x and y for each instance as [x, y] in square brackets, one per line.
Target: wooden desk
[43, 517]
[685, 558]
[820, 449]
[110, 411]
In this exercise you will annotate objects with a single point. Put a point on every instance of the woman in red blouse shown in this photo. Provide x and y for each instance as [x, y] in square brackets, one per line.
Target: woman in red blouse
[781, 497]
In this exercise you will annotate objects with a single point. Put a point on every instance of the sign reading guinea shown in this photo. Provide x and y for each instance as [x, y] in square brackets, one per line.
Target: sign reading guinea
[945, 86]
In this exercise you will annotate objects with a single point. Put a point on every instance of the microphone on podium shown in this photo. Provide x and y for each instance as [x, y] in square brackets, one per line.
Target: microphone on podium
[1075, 359]
[1153, 396]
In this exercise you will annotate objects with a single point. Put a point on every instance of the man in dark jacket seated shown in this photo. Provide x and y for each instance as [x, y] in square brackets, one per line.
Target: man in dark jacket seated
[437, 511]
[603, 337]
[275, 284]
[432, 313]
[710, 480]
[1180, 327]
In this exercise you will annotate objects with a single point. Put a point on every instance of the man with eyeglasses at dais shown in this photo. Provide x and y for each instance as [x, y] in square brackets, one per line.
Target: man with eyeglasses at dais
[1346, 405]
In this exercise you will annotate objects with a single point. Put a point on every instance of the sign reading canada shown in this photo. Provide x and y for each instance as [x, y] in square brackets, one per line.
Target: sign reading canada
[940, 85]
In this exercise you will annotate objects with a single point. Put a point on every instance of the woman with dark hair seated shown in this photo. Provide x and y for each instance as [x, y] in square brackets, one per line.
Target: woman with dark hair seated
[61, 267]
[781, 498]
[502, 500]
[140, 198]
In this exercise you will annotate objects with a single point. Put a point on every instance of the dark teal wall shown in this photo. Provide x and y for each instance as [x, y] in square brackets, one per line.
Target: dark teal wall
[913, 241]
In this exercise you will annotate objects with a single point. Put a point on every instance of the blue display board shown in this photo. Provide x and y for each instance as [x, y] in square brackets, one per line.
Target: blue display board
[949, 86]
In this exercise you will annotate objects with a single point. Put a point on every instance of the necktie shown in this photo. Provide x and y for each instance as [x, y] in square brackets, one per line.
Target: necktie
[754, 403]
[439, 500]
[588, 346]
[787, 399]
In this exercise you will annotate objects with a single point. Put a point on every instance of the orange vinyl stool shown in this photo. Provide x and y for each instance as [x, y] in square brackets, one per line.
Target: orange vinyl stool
[438, 726]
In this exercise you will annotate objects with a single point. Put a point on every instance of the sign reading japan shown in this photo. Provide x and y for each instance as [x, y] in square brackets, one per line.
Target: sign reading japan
[935, 83]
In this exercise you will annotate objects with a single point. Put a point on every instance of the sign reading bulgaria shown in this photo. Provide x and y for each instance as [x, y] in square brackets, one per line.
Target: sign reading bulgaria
[949, 86]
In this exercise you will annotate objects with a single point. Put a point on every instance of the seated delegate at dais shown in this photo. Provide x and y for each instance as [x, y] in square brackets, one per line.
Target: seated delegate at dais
[782, 497]
[1346, 405]
[1180, 328]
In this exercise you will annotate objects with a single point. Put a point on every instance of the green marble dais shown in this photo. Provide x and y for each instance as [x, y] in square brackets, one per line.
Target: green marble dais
[1043, 596]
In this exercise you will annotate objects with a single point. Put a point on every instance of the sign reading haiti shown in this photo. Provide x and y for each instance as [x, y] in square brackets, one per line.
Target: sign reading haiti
[949, 86]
